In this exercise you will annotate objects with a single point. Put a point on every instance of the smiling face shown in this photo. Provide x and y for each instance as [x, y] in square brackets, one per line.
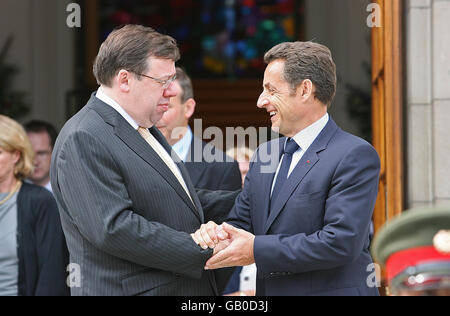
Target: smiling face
[279, 102]
[290, 111]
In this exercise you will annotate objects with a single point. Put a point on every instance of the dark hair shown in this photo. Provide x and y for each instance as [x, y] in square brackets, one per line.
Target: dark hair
[307, 60]
[185, 84]
[128, 48]
[36, 126]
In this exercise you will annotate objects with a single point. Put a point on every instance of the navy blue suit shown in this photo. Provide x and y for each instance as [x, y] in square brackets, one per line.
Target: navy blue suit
[315, 240]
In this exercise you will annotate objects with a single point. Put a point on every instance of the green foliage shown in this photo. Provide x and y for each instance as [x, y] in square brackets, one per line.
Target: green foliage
[12, 103]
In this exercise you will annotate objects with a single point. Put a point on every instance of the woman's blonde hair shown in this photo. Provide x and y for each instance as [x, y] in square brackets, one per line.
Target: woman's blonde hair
[13, 138]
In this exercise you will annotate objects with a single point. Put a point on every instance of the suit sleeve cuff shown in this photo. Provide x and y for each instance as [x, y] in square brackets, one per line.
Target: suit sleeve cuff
[264, 259]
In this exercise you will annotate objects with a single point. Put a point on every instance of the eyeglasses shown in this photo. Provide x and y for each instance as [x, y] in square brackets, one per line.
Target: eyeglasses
[165, 83]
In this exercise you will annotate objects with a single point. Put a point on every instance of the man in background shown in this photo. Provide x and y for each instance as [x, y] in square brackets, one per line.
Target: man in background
[42, 136]
[215, 175]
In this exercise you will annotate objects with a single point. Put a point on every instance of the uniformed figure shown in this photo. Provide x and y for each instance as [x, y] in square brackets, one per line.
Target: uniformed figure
[414, 248]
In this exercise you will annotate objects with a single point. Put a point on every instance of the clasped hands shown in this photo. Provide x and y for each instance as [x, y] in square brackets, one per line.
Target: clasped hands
[232, 246]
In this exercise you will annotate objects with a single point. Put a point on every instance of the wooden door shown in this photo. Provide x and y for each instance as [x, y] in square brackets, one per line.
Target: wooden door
[387, 109]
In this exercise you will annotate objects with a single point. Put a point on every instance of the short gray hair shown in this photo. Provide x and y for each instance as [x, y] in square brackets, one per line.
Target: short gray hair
[307, 60]
[186, 85]
[128, 48]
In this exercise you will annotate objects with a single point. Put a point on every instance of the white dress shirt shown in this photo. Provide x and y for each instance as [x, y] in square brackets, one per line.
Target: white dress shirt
[182, 146]
[248, 278]
[116, 106]
[48, 186]
[304, 139]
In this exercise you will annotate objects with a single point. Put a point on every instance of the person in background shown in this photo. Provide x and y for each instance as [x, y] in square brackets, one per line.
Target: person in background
[42, 136]
[215, 175]
[33, 253]
[414, 250]
[243, 280]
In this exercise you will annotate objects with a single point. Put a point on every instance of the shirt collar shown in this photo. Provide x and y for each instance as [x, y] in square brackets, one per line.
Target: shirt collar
[306, 137]
[48, 186]
[182, 146]
[101, 95]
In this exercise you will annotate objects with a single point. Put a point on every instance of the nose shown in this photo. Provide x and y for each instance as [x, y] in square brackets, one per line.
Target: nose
[262, 101]
[170, 91]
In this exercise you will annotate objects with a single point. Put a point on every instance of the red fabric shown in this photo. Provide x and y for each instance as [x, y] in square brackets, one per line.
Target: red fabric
[401, 260]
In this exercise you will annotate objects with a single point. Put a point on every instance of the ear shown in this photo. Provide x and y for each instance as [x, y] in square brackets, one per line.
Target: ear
[189, 106]
[306, 89]
[123, 80]
[16, 156]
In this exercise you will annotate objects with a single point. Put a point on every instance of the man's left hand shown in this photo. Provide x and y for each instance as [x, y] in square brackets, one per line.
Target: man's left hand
[238, 253]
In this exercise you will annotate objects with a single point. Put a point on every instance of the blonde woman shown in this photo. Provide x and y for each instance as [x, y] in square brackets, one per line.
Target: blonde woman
[33, 253]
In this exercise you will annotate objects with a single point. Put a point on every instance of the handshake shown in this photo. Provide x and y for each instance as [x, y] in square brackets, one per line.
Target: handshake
[232, 246]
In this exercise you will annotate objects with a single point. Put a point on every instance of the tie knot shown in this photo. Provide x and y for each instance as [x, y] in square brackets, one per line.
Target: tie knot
[291, 146]
[143, 131]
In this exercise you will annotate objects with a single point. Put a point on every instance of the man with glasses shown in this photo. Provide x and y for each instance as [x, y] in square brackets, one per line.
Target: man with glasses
[42, 136]
[127, 204]
[165, 83]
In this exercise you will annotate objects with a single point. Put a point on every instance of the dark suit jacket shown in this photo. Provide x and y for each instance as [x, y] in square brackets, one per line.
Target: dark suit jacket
[126, 218]
[215, 175]
[42, 250]
[315, 241]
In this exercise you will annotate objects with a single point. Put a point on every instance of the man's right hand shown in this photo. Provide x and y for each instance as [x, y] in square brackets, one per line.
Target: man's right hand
[210, 235]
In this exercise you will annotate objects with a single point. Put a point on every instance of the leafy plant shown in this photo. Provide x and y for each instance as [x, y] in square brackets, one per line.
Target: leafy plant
[359, 105]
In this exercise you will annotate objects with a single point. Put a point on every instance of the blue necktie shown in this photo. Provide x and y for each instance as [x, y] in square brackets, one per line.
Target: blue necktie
[290, 148]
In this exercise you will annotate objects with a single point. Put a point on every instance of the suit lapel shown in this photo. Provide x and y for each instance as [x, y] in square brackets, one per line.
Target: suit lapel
[195, 168]
[291, 184]
[306, 163]
[136, 143]
[182, 167]
[195, 171]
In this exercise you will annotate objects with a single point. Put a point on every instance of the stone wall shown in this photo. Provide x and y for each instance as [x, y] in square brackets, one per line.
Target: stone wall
[427, 102]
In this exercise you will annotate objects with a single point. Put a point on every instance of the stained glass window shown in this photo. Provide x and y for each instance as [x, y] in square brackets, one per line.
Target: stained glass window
[217, 38]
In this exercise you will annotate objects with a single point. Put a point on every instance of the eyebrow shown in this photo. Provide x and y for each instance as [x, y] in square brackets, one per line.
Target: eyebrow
[270, 87]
